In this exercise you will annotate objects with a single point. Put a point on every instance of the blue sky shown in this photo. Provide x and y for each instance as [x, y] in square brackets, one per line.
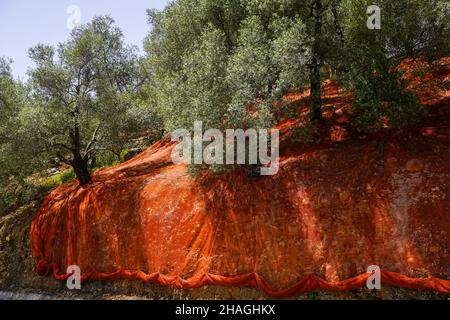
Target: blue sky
[25, 23]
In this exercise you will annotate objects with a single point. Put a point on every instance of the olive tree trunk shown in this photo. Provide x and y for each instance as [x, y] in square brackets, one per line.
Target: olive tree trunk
[314, 76]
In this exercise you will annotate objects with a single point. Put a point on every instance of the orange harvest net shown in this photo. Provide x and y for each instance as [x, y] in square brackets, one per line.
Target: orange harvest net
[319, 223]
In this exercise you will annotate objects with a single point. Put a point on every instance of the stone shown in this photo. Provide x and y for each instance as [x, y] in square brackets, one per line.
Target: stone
[53, 171]
[339, 112]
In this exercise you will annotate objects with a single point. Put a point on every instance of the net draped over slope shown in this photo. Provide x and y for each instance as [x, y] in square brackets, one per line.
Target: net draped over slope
[319, 223]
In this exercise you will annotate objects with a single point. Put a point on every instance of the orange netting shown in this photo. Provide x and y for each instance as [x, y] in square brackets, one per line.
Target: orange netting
[318, 224]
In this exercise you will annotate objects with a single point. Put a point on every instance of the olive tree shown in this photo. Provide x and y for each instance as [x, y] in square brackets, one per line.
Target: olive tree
[409, 29]
[81, 93]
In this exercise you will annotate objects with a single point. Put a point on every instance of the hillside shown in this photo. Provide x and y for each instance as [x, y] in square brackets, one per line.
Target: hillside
[334, 208]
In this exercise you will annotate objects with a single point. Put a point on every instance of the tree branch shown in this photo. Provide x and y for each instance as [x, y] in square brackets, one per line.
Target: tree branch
[62, 145]
[89, 149]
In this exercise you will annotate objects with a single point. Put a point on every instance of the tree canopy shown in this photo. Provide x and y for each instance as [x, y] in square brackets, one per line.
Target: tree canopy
[222, 62]
[210, 59]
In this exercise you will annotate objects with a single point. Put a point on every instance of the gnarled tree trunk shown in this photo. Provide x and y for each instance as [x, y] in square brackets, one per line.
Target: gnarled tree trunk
[80, 167]
[79, 163]
[314, 76]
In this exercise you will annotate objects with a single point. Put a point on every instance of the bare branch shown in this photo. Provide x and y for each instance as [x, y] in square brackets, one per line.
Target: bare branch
[89, 149]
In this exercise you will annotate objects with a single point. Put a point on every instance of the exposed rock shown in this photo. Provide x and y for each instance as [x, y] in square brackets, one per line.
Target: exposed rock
[53, 171]
[339, 112]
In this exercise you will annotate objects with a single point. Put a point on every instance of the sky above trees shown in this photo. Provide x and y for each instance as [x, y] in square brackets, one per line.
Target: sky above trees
[25, 23]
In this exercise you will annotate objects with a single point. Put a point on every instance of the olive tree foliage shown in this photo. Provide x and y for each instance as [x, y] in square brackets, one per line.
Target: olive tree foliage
[84, 95]
[12, 100]
[409, 28]
[17, 159]
[9, 99]
[225, 62]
